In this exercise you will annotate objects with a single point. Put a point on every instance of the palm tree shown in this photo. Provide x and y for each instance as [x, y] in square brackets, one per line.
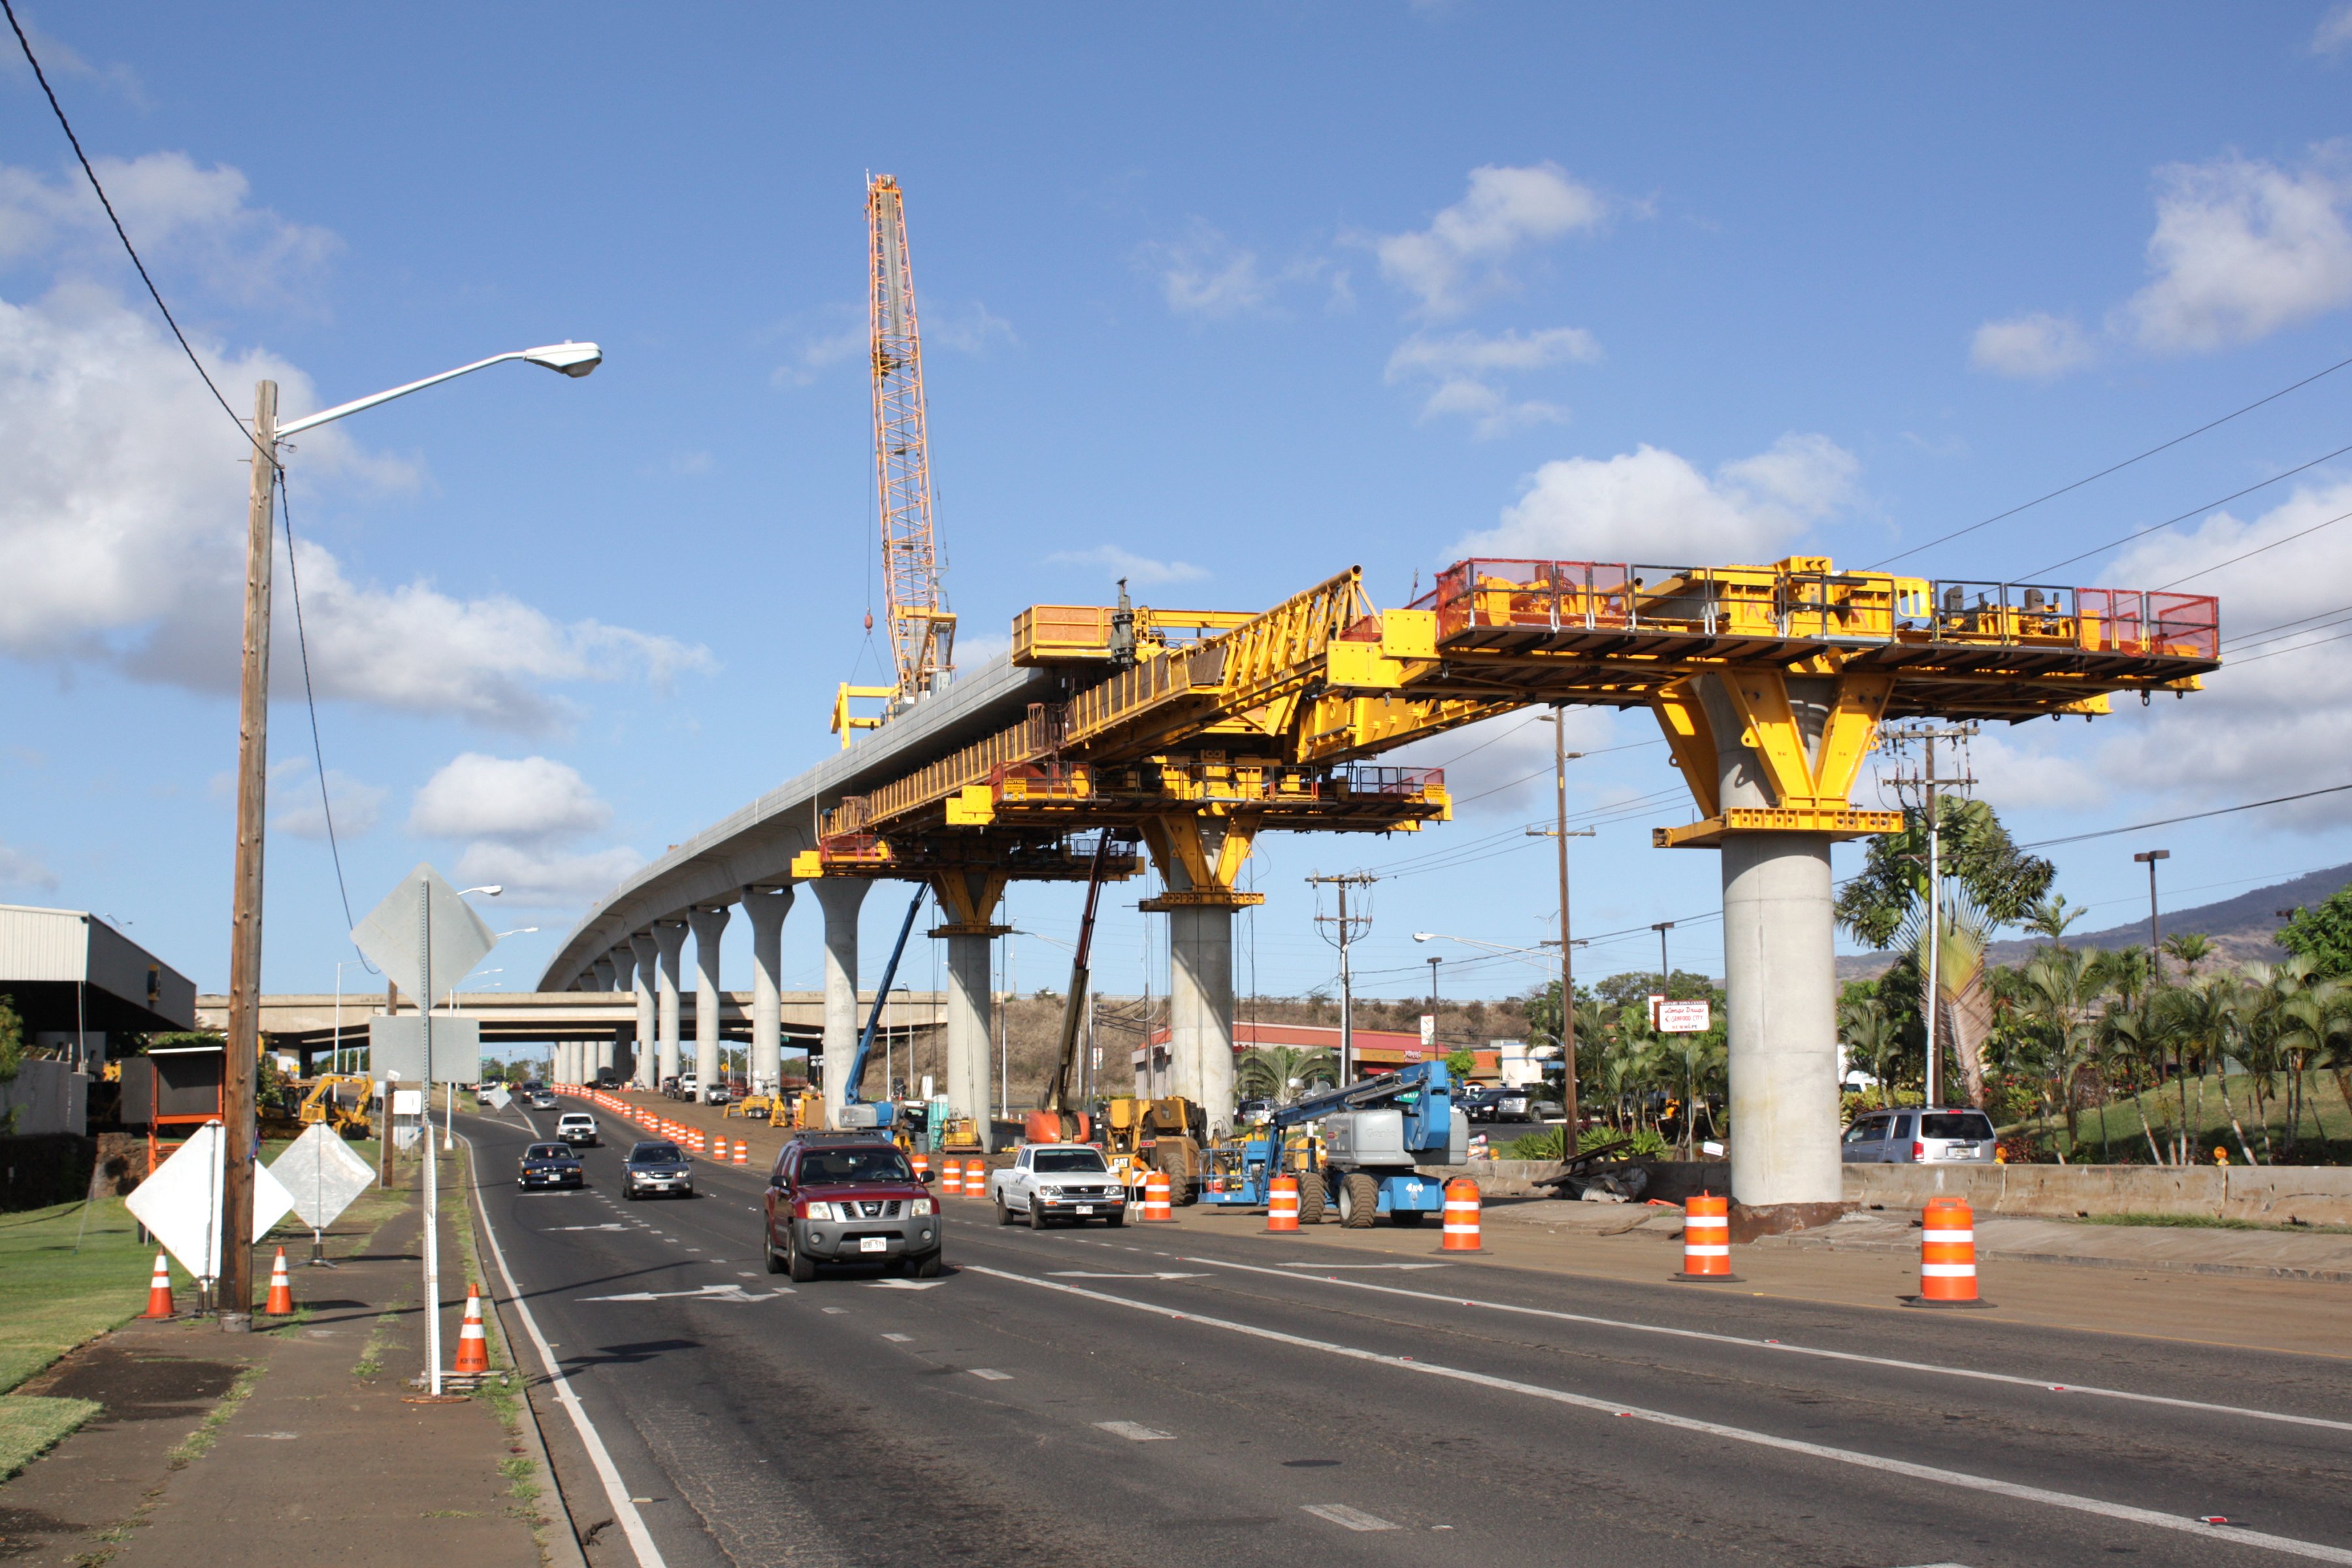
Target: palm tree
[1280, 1072]
[1871, 1036]
[2050, 918]
[1988, 883]
[2058, 998]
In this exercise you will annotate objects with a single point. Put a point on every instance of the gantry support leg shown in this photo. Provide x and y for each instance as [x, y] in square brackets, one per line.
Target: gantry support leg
[1200, 859]
[1771, 757]
[969, 900]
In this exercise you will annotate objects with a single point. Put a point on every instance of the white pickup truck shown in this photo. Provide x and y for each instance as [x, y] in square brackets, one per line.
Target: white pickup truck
[1049, 1182]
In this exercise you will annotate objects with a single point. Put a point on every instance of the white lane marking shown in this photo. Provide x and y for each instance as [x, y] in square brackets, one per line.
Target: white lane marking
[1934, 1474]
[1320, 1266]
[904, 1284]
[1075, 1274]
[1347, 1518]
[1823, 1354]
[899, 1338]
[1134, 1432]
[707, 1293]
[553, 1229]
[989, 1374]
[837, 1312]
[745, 1274]
[624, 1507]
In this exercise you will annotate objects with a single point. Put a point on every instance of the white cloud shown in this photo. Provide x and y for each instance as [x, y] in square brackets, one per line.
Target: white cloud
[1205, 274]
[1138, 570]
[20, 870]
[524, 799]
[358, 806]
[1459, 258]
[1652, 505]
[820, 353]
[970, 328]
[840, 333]
[542, 878]
[2334, 34]
[2270, 722]
[2243, 247]
[2036, 347]
[1465, 369]
[1502, 766]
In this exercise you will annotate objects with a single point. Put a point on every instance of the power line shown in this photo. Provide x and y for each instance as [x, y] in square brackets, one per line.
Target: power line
[311, 700]
[2192, 816]
[2111, 468]
[2192, 511]
[2257, 550]
[152, 292]
[2299, 647]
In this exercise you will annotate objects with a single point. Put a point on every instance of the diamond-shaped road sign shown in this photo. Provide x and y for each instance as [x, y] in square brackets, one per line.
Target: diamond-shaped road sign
[323, 1176]
[181, 1203]
[423, 920]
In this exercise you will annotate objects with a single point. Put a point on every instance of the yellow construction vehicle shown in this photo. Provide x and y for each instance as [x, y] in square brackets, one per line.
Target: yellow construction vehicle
[1139, 1136]
[339, 1101]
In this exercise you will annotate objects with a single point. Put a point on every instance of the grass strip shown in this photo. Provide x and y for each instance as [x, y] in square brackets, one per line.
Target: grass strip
[54, 1295]
[199, 1442]
[2210, 1222]
[31, 1424]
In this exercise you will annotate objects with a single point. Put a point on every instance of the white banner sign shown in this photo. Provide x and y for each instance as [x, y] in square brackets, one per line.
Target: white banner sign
[1682, 1018]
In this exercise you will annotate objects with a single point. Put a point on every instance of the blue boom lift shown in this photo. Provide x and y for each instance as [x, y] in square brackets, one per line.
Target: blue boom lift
[855, 1109]
[1378, 1136]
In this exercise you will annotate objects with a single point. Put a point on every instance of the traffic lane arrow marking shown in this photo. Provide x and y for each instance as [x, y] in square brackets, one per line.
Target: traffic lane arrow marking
[552, 1229]
[707, 1293]
[1074, 1274]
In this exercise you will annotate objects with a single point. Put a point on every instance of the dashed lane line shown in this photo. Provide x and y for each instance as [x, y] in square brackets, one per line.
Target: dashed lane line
[1346, 1517]
[985, 1373]
[1934, 1474]
[1133, 1431]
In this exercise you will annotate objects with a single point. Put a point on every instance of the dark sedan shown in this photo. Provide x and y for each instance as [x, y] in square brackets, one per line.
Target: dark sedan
[551, 1165]
[660, 1167]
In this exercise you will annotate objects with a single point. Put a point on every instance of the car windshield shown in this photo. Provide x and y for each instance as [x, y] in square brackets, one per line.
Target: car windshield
[652, 1153]
[549, 1151]
[1965, 1124]
[1051, 1161]
[576, 1118]
[864, 1163]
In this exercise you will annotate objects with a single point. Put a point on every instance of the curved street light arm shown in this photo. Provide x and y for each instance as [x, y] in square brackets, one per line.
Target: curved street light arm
[571, 359]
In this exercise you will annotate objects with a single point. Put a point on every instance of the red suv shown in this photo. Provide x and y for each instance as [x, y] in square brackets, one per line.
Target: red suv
[850, 1197]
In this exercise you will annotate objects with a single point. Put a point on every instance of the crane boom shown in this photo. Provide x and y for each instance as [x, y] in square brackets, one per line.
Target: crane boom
[921, 628]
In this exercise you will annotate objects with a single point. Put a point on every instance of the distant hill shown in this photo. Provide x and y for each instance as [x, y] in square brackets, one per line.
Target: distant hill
[2240, 928]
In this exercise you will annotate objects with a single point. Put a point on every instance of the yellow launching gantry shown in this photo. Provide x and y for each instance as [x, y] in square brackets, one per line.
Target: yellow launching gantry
[1199, 729]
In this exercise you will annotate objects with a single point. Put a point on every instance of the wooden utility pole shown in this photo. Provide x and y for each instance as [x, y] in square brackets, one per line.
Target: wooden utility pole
[242, 1048]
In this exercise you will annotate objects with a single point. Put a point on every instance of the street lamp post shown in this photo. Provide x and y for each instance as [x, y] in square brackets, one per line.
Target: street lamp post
[243, 1047]
[2149, 857]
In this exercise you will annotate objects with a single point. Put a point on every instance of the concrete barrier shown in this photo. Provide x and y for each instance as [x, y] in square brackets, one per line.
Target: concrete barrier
[2271, 1194]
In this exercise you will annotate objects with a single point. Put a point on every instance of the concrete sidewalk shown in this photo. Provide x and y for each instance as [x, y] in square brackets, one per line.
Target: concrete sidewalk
[294, 1443]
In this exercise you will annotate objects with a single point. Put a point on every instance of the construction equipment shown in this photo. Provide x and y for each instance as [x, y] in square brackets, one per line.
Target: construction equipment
[1240, 1171]
[1379, 1135]
[855, 1109]
[339, 1101]
[915, 617]
[1054, 1121]
[1166, 1135]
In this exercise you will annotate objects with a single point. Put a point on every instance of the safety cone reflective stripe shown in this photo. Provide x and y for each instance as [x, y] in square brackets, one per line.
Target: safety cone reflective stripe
[975, 1178]
[281, 1290]
[1155, 1196]
[1282, 1203]
[159, 1290]
[472, 1346]
[1461, 1216]
[1707, 1241]
[951, 1177]
[1948, 1255]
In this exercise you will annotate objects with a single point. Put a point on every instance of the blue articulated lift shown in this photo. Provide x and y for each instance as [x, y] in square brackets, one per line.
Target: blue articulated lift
[1381, 1136]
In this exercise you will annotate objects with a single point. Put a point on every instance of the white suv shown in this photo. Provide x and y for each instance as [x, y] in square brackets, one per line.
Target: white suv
[577, 1128]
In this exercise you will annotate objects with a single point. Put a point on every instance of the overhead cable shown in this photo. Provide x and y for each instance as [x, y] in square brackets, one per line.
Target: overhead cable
[2192, 816]
[2184, 517]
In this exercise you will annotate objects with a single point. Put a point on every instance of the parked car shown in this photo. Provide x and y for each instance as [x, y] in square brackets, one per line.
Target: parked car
[1049, 1182]
[1250, 1111]
[689, 1088]
[606, 1078]
[1504, 1104]
[657, 1167]
[850, 1197]
[669, 1088]
[550, 1165]
[578, 1129]
[1933, 1135]
[716, 1094]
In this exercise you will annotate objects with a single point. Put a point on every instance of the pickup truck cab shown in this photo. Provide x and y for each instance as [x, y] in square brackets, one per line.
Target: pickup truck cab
[1049, 1182]
[689, 1088]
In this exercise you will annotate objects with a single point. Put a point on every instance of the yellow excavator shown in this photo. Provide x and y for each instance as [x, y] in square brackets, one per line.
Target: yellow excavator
[339, 1101]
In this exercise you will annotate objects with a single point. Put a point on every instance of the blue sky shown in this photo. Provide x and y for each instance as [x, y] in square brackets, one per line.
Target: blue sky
[1226, 302]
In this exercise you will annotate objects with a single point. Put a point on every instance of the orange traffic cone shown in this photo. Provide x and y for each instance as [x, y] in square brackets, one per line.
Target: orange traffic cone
[473, 1347]
[281, 1290]
[159, 1290]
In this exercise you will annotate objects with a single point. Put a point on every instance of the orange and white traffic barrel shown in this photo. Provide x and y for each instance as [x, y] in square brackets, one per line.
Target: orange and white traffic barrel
[1461, 1216]
[743, 1152]
[975, 1178]
[1156, 1190]
[1707, 1241]
[1947, 1257]
[1282, 1203]
[922, 1164]
[951, 1177]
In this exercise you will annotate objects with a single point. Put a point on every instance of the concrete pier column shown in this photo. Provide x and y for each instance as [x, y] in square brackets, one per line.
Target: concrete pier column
[766, 911]
[642, 944]
[839, 898]
[971, 1020]
[707, 925]
[1200, 1010]
[611, 1056]
[669, 936]
[1780, 989]
[603, 970]
[567, 1064]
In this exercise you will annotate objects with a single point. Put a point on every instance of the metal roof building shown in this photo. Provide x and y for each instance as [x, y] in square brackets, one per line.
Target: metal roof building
[74, 980]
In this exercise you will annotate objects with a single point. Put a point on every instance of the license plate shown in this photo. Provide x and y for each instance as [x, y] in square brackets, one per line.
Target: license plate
[874, 1244]
[1085, 1208]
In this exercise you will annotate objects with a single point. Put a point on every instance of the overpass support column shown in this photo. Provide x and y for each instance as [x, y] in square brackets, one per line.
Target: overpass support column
[1200, 859]
[766, 911]
[643, 945]
[840, 897]
[669, 936]
[1770, 756]
[708, 923]
[969, 900]
[613, 970]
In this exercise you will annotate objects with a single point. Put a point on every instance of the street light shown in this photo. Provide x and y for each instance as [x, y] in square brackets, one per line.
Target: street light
[2149, 857]
[243, 1047]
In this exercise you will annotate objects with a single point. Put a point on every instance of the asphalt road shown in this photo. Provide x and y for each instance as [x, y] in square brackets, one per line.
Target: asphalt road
[1149, 1395]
